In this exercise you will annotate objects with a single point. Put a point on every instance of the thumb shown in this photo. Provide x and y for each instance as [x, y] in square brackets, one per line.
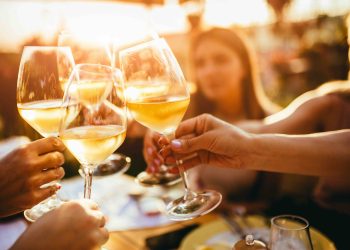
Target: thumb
[190, 145]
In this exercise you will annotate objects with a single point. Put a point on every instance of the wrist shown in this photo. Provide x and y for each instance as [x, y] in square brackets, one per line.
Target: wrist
[256, 152]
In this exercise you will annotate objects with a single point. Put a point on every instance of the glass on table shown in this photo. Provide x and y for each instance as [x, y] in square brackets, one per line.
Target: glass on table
[290, 232]
[39, 99]
[95, 95]
[157, 97]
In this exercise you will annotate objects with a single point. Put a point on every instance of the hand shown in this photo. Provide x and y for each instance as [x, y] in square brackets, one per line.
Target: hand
[74, 225]
[25, 169]
[215, 142]
[151, 149]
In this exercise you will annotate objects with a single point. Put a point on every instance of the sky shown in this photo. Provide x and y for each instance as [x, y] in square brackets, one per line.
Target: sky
[19, 20]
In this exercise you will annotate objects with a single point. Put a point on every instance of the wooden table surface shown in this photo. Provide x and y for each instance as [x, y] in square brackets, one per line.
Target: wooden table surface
[135, 239]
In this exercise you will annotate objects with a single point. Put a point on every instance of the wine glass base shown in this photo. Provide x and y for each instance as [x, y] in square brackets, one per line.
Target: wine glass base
[42, 208]
[114, 164]
[157, 179]
[201, 204]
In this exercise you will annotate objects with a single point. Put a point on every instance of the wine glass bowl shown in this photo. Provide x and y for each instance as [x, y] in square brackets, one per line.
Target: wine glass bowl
[39, 99]
[98, 127]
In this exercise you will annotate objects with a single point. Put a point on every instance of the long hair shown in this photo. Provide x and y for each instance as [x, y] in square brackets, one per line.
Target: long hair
[255, 103]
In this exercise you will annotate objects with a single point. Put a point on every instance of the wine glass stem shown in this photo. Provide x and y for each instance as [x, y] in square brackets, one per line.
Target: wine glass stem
[88, 181]
[189, 195]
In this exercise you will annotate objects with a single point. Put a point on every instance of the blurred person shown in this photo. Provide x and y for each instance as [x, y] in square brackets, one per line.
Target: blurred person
[318, 124]
[73, 225]
[24, 170]
[229, 87]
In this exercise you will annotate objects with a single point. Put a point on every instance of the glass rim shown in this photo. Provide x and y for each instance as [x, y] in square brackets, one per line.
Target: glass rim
[290, 216]
[44, 46]
[138, 46]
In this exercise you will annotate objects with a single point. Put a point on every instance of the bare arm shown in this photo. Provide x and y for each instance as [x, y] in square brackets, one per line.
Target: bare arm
[321, 154]
[304, 115]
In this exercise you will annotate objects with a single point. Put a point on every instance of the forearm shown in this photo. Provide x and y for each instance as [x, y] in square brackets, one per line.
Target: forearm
[319, 154]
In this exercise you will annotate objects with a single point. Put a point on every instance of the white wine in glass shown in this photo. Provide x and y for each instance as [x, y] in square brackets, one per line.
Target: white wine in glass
[39, 99]
[157, 97]
[94, 50]
[99, 127]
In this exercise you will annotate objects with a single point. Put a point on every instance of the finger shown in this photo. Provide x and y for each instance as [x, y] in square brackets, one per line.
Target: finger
[194, 144]
[48, 176]
[87, 203]
[104, 235]
[50, 160]
[156, 137]
[46, 145]
[44, 193]
[153, 157]
[185, 165]
[186, 127]
[151, 169]
[163, 141]
[99, 217]
[165, 152]
[179, 159]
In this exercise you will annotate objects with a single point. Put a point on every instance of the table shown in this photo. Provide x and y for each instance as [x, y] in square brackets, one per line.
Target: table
[135, 239]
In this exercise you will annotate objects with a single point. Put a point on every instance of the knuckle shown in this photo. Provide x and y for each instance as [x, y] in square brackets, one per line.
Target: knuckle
[31, 162]
[59, 173]
[37, 197]
[74, 206]
[24, 151]
[54, 141]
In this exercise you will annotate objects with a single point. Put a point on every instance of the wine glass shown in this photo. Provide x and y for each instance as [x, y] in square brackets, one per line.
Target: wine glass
[91, 49]
[290, 232]
[39, 99]
[95, 94]
[157, 96]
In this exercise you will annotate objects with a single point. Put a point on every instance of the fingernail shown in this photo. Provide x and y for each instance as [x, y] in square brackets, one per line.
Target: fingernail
[176, 143]
[151, 169]
[157, 161]
[58, 186]
[149, 151]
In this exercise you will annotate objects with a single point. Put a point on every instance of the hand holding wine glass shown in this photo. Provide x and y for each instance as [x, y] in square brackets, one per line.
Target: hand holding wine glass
[157, 96]
[98, 126]
[39, 98]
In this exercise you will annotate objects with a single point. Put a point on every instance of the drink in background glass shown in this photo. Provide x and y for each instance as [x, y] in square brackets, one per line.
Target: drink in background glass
[39, 99]
[99, 126]
[290, 232]
[157, 97]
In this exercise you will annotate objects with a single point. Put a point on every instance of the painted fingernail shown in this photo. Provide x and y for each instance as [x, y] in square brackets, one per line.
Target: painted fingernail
[157, 161]
[151, 169]
[176, 143]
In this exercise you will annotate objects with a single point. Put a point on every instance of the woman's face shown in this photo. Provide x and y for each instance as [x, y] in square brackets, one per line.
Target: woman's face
[218, 70]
